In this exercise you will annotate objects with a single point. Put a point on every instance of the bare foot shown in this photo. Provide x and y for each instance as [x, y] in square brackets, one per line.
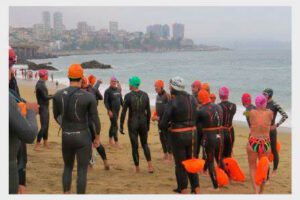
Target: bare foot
[274, 173]
[118, 146]
[137, 169]
[197, 190]
[150, 169]
[184, 191]
[111, 142]
[37, 146]
[46, 145]
[22, 189]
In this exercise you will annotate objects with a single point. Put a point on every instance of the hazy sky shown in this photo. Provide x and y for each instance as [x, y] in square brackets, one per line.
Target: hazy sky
[201, 23]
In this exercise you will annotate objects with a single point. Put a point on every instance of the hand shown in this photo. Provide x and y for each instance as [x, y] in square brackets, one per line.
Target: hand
[110, 114]
[273, 127]
[33, 106]
[96, 142]
[100, 81]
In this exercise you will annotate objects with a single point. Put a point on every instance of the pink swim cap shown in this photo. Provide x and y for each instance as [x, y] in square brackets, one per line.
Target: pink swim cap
[113, 78]
[197, 84]
[224, 92]
[261, 101]
[246, 99]
[43, 72]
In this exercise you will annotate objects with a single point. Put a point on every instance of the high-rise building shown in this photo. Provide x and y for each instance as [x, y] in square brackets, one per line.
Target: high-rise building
[46, 23]
[113, 27]
[83, 28]
[178, 31]
[155, 30]
[58, 26]
[38, 31]
[165, 31]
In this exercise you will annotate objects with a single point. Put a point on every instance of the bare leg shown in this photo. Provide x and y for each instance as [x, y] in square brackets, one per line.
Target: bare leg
[252, 160]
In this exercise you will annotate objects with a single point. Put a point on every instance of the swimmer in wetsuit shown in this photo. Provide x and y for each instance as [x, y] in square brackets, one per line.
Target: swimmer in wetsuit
[181, 114]
[229, 110]
[43, 100]
[113, 102]
[275, 108]
[211, 117]
[22, 130]
[162, 99]
[259, 140]
[100, 149]
[138, 123]
[246, 101]
[74, 109]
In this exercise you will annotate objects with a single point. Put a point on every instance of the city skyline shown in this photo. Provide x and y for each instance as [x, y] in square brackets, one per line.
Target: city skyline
[201, 24]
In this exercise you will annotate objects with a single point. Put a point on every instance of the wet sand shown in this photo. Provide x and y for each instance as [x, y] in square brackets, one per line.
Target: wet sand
[44, 168]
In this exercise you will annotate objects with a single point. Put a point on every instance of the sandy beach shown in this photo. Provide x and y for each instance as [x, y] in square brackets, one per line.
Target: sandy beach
[44, 168]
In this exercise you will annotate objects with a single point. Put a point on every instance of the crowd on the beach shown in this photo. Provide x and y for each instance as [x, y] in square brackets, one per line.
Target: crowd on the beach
[196, 133]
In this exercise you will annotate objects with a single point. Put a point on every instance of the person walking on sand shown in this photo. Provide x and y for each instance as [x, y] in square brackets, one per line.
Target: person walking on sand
[162, 99]
[22, 130]
[229, 110]
[138, 103]
[100, 149]
[275, 108]
[43, 99]
[113, 101]
[72, 108]
[181, 114]
[210, 115]
[259, 140]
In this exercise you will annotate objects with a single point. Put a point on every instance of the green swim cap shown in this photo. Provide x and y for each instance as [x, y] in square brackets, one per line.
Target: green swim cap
[134, 81]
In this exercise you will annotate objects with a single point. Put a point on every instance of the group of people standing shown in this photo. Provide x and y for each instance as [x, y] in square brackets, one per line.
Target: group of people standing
[186, 122]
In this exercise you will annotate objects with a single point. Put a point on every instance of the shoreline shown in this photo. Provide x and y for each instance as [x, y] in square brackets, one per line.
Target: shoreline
[29, 83]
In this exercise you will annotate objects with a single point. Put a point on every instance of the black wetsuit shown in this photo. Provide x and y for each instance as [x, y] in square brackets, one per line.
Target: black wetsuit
[43, 101]
[211, 116]
[73, 108]
[162, 100]
[100, 149]
[247, 111]
[229, 110]
[20, 130]
[138, 122]
[22, 153]
[113, 102]
[181, 113]
[275, 108]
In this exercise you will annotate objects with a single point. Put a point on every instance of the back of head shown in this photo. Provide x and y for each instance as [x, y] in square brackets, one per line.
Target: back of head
[205, 86]
[197, 84]
[159, 83]
[92, 79]
[224, 93]
[204, 97]
[75, 72]
[261, 101]
[134, 82]
[43, 73]
[246, 99]
[177, 84]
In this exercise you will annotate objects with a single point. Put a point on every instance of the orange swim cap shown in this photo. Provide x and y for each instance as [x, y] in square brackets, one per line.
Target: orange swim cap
[92, 79]
[75, 71]
[203, 97]
[212, 97]
[159, 83]
[85, 82]
[206, 87]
